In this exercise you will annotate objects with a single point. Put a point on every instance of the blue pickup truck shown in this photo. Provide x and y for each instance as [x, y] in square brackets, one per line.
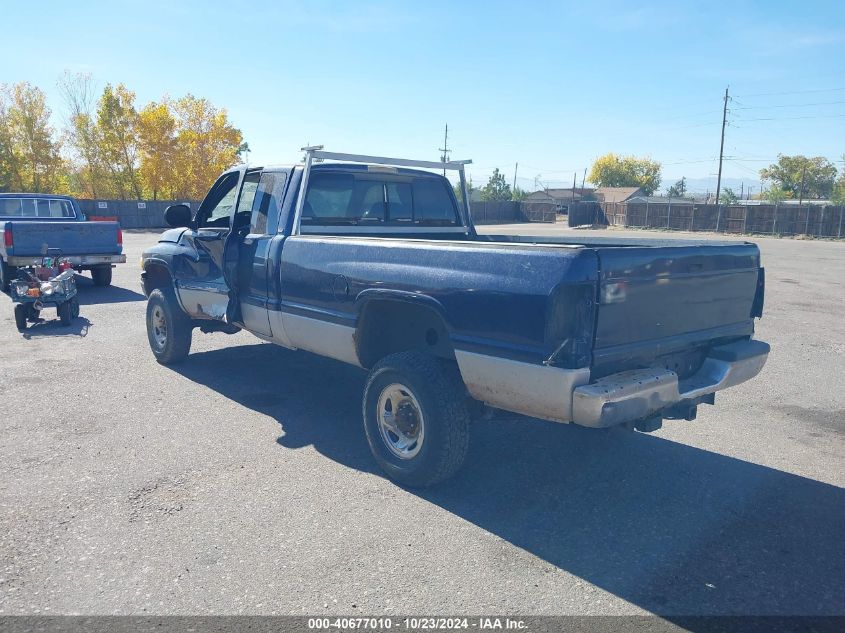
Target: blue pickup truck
[372, 261]
[33, 222]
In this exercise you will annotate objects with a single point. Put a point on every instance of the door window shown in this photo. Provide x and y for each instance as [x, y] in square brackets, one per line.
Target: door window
[216, 209]
[267, 203]
[244, 210]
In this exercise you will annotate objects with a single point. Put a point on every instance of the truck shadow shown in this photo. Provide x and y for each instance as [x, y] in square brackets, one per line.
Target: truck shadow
[89, 294]
[670, 528]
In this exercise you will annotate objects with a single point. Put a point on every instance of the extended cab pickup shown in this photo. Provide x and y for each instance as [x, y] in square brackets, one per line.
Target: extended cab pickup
[375, 264]
[33, 222]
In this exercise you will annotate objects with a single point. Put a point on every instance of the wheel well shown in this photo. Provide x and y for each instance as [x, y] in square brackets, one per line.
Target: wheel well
[155, 277]
[391, 326]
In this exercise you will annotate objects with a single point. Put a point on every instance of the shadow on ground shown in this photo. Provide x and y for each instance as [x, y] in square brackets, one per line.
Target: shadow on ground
[51, 326]
[667, 527]
[89, 294]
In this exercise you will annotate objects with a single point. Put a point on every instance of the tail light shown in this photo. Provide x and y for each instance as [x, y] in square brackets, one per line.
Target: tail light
[119, 237]
[7, 237]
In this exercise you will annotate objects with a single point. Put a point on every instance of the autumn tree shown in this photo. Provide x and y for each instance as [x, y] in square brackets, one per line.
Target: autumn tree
[82, 135]
[497, 188]
[157, 141]
[818, 175]
[611, 170]
[117, 129]
[206, 144]
[30, 157]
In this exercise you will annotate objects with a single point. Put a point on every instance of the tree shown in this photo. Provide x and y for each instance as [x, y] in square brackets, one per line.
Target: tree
[117, 133]
[497, 188]
[82, 134]
[460, 194]
[611, 170]
[30, 158]
[838, 196]
[157, 141]
[818, 175]
[678, 190]
[206, 144]
[728, 196]
[776, 194]
[518, 194]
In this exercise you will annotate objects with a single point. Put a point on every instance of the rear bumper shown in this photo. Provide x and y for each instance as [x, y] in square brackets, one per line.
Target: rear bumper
[637, 394]
[76, 260]
[566, 395]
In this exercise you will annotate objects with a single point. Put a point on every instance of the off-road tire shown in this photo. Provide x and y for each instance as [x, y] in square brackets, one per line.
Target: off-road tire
[101, 275]
[438, 388]
[176, 343]
[21, 312]
[7, 273]
[65, 314]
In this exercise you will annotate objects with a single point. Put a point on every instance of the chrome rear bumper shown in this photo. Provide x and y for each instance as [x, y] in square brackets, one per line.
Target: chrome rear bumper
[76, 260]
[634, 395]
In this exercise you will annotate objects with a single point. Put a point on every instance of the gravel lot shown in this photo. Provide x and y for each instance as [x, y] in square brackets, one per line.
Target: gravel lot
[240, 482]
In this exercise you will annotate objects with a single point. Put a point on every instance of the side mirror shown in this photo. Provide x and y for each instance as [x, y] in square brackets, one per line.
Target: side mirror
[178, 215]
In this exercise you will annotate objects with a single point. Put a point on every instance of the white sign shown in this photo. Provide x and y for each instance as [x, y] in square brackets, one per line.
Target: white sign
[102, 205]
[142, 205]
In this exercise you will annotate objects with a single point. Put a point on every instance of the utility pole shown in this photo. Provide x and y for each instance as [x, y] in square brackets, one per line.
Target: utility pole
[583, 178]
[803, 179]
[574, 177]
[742, 190]
[444, 157]
[722, 147]
[515, 169]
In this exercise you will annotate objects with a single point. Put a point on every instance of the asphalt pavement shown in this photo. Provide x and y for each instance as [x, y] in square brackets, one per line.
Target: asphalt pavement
[240, 482]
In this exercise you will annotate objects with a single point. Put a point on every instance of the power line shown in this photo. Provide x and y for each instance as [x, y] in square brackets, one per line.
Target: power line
[790, 92]
[792, 105]
[793, 118]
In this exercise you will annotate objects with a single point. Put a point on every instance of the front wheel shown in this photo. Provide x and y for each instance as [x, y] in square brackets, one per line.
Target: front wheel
[101, 275]
[21, 313]
[416, 418]
[169, 330]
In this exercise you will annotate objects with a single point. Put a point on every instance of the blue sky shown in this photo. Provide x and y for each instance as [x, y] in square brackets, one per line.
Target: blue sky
[549, 85]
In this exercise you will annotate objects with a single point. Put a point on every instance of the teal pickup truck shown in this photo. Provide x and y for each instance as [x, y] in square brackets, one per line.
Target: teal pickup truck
[33, 222]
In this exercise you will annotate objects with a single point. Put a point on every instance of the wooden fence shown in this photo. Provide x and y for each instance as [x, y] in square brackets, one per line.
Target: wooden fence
[810, 220]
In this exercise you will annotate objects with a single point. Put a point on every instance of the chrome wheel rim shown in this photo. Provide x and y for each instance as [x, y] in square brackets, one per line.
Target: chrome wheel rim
[159, 327]
[400, 421]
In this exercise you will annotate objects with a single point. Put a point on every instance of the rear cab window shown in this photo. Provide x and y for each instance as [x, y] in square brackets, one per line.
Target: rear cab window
[30, 207]
[373, 199]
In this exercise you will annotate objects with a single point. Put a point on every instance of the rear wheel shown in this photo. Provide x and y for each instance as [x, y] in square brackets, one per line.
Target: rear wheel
[7, 273]
[169, 329]
[101, 275]
[21, 312]
[65, 313]
[416, 418]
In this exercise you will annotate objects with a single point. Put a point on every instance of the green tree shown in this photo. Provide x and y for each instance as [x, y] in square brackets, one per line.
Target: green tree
[776, 194]
[611, 170]
[678, 190]
[457, 189]
[728, 196]
[838, 196]
[497, 188]
[30, 158]
[518, 194]
[818, 175]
